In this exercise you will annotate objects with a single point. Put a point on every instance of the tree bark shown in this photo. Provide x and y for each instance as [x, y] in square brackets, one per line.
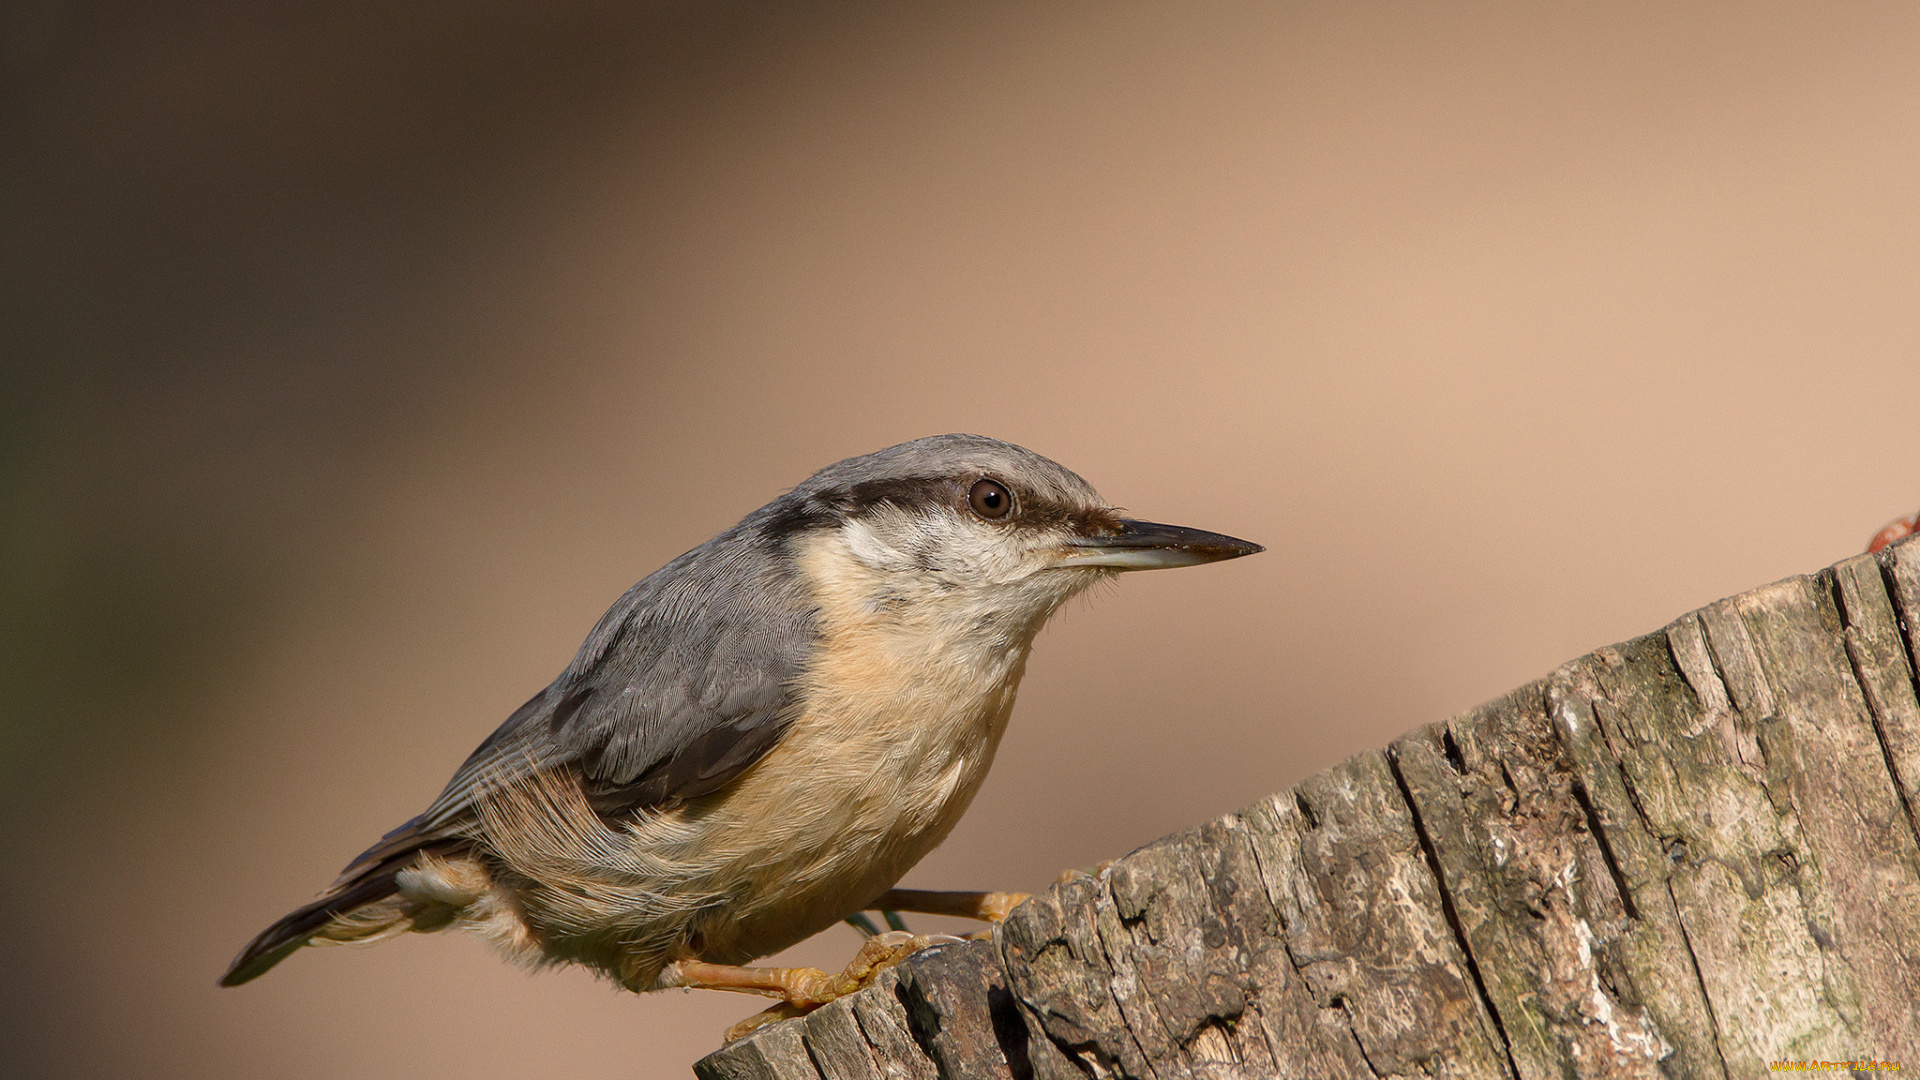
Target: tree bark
[1690, 855]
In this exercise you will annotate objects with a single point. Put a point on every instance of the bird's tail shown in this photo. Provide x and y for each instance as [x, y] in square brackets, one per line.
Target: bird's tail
[366, 904]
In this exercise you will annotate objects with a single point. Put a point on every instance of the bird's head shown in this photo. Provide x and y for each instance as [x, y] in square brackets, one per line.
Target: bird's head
[963, 527]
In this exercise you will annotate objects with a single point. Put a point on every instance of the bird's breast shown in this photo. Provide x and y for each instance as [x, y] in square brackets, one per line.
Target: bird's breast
[898, 716]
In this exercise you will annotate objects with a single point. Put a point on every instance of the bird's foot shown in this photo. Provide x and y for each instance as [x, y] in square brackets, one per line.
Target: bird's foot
[802, 990]
[996, 906]
[1098, 869]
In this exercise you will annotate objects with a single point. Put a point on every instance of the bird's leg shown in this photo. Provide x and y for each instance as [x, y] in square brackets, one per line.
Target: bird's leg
[800, 990]
[986, 906]
[793, 985]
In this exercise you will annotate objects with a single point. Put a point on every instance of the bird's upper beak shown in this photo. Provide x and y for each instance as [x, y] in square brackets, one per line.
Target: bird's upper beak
[1145, 545]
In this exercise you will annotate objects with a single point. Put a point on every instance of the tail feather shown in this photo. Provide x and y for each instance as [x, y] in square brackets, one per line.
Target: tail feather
[349, 911]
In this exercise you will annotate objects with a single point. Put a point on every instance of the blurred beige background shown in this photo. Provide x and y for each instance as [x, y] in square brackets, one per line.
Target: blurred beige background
[358, 355]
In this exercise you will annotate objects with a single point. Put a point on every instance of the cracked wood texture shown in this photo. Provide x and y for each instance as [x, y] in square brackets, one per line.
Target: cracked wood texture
[1688, 855]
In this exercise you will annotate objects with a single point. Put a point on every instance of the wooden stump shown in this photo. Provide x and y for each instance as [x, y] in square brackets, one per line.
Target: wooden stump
[1690, 855]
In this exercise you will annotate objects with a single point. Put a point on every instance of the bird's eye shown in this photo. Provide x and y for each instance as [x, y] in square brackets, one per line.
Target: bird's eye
[990, 499]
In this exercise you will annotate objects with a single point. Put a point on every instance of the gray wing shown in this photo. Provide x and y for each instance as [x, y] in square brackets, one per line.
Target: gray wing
[686, 681]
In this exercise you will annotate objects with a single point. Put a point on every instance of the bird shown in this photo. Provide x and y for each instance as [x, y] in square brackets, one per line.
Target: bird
[758, 740]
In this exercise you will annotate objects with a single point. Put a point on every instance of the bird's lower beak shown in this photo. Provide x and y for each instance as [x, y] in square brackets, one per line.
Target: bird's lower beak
[1145, 545]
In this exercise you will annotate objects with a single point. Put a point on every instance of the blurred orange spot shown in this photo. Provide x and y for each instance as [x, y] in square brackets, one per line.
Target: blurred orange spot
[1895, 529]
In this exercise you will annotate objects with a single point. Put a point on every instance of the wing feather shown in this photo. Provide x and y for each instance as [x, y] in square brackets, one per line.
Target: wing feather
[684, 683]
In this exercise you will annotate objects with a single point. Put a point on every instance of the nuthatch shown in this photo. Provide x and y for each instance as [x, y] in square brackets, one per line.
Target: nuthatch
[759, 739]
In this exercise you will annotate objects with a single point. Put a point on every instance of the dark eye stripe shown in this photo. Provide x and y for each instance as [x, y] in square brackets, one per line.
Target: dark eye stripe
[898, 491]
[1029, 508]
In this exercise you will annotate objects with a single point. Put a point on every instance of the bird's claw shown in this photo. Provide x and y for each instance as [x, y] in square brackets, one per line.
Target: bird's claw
[995, 906]
[770, 1014]
[1098, 869]
[806, 989]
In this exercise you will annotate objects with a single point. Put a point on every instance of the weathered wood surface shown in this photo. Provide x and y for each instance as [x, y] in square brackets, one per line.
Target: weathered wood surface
[1689, 855]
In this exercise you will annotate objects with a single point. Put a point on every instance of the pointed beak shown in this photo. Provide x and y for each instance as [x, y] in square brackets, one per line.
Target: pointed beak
[1145, 545]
